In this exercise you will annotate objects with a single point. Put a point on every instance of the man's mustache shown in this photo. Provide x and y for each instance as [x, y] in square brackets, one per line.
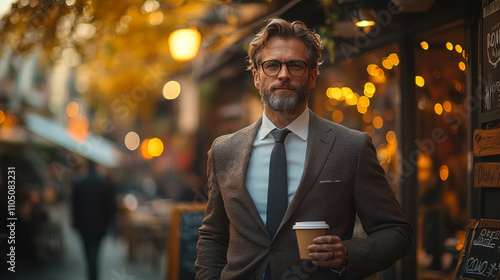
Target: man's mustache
[283, 85]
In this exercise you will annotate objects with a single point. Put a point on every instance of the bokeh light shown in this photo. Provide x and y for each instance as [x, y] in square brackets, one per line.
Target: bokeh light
[72, 109]
[419, 81]
[449, 46]
[144, 149]
[444, 172]
[378, 122]
[184, 43]
[370, 89]
[424, 45]
[461, 65]
[155, 147]
[171, 90]
[390, 137]
[78, 127]
[447, 106]
[394, 58]
[337, 116]
[132, 141]
[438, 108]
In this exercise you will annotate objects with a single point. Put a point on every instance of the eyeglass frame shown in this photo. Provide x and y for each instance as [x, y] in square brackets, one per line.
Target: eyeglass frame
[281, 67]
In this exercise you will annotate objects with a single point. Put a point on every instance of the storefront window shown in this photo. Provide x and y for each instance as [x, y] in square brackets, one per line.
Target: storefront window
[361, 93]
[440, 68]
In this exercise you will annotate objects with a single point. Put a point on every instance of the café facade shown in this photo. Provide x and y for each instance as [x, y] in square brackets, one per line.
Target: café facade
[421, 81]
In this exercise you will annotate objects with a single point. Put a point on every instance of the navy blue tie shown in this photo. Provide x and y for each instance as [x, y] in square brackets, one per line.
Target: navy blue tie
[277, 193]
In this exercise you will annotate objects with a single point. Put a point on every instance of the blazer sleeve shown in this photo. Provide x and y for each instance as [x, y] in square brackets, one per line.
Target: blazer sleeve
[214, 232]
[389, 233]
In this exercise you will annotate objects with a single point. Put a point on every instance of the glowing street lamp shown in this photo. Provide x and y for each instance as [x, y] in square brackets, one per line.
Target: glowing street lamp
[184, 43]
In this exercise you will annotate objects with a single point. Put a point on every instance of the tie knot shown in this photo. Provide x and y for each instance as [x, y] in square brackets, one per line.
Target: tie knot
[280, 135]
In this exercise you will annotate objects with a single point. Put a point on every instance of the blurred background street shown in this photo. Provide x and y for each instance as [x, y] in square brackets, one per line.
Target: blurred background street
[66, 262]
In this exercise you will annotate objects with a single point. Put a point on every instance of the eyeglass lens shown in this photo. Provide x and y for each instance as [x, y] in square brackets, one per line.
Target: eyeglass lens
[296, 68]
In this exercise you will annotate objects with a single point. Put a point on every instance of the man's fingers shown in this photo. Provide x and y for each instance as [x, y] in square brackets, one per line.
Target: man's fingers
[330, 239]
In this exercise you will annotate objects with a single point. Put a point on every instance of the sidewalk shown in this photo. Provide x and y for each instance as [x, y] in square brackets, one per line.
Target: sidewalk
[113, 262]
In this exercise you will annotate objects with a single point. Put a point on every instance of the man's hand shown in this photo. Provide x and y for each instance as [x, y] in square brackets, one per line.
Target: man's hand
[328, 250]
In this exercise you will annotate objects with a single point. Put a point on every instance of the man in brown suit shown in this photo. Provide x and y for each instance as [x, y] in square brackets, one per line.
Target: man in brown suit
[333, 174]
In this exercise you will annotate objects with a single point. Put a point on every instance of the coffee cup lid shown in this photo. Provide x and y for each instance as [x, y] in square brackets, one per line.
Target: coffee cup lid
[311, 225]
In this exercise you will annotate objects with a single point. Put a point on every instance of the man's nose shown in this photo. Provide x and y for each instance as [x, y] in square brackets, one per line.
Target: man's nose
[284, 74]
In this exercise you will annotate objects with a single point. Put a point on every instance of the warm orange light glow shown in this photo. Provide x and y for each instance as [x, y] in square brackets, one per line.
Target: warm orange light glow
[346, 91]
[444, 172]
[424, 45]
[373, 70]
[461, 65]
[72, 109]
[460, 234]
[387, 64]
[367, 117]
[369, 90]
[2, 117]
[184, 43]
[337, 94]
[394, 58]
[361, 109]
[337, 116]
[155, 147]
[390, 137]
[378, 122]
[458, 48]
[329, 92]
[438, 108]
[144, 149]
[449, 46]
[156, 18]
[365, 23]
[364, 101]
[351, 99]
[447, 106]
[10, 121]
[419, 81]
[78, 127]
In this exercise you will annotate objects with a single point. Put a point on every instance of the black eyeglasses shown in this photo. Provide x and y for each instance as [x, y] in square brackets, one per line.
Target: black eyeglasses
[296, 68]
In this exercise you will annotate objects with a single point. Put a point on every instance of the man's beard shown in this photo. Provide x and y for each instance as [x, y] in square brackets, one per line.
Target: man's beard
[285, 102]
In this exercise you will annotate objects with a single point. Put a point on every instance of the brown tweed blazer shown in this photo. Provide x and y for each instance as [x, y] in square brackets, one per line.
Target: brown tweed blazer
[342, 177]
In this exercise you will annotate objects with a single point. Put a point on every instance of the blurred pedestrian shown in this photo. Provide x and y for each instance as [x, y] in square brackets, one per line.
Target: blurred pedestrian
[93, 208]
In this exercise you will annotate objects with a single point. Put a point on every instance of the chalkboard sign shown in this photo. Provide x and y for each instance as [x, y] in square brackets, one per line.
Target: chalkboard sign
[480, 257]
[491, 55]
[185, 220]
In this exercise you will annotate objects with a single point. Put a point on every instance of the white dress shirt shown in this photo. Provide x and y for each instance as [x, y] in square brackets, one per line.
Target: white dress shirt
[257, 178]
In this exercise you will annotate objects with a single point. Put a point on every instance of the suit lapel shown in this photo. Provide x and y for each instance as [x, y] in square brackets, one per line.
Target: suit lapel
[319, 143]
[246, 140]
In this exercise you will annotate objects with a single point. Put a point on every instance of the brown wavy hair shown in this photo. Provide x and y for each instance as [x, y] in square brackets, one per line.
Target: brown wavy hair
[285, 29]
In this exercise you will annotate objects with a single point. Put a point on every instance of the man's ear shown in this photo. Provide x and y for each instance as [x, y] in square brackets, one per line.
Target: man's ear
[312, 78]
[256, 79]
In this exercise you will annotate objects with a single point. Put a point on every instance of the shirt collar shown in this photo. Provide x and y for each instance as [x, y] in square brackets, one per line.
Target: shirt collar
[299, 126]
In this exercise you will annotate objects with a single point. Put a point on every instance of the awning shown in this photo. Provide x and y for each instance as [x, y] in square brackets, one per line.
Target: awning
[95, 147]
